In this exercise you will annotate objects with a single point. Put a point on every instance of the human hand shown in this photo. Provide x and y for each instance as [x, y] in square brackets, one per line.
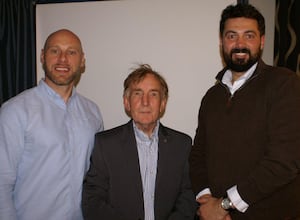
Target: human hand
[204, 198]
[210, 209]
[227, 217]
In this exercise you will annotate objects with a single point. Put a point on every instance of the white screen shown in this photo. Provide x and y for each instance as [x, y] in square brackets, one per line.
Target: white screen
[178, 38]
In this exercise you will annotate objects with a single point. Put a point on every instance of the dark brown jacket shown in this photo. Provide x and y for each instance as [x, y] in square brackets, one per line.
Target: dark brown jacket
[252, 140]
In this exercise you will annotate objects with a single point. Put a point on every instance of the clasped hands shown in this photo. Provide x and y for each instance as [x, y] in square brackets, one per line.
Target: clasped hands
[210, 208]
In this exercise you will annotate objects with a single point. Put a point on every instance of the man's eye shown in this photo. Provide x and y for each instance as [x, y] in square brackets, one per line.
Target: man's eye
[72, 52]
[137, 93]
[54, 51]
[231, 36]
[250, 36]
[154, 94]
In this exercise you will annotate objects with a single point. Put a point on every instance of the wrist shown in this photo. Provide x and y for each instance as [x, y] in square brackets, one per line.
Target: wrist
[227, 204]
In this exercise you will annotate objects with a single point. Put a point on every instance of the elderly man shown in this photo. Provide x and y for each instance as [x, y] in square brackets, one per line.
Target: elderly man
[140, 170]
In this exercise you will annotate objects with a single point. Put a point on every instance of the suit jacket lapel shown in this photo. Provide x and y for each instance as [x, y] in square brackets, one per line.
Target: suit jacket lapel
[163, 153]
[131, 156]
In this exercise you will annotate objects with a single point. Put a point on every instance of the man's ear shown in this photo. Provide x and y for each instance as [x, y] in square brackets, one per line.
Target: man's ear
[126, 104]
[262, 42]
[220, 40]
[42, 56]
[82, 64]
[162, 108]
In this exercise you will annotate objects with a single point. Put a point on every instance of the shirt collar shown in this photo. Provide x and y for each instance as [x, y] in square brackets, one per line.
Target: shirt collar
[51, 92]
[144, 137]
[227, 78]
[54, 96]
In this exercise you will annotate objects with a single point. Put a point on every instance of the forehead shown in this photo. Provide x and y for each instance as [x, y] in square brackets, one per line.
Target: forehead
[64, 39]
[241, 24]
[149, 81]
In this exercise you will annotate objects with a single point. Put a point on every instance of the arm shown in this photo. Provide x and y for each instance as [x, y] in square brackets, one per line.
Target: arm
[11, 145]
[209, 206]
[281, 162]
[185, 206]
[197, 160]
[95, 197]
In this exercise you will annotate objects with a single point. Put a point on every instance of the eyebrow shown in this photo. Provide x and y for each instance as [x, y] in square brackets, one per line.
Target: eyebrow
[68, 48]
[151, 90]
[233, 31]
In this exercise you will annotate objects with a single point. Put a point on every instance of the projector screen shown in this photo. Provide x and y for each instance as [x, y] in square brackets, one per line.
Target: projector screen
[178, 38]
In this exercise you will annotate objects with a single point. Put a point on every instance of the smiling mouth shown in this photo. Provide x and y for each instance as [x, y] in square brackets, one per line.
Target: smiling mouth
[240, 52]
[240, 55]
[62, 69]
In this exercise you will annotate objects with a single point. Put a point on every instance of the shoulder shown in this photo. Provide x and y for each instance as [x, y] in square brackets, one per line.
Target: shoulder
[111, 141]
[22, 97]
[276, 73]
[86, 101]
[217, 87]
[116, 132]
[279, 79]
[174, 133]
[175, 141]
[89, 107]
[21, 102]
[16, 111]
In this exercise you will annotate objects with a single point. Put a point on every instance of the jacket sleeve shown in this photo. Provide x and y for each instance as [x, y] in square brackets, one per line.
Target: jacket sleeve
[185, 205]
[95, 197]
[197, 160]
[281, 162]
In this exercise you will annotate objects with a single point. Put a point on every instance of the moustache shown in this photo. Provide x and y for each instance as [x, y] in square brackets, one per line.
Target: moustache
[240, 50]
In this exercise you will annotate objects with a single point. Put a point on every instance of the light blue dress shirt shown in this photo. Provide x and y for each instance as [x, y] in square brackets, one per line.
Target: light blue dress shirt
[45, 147]
[148, 154]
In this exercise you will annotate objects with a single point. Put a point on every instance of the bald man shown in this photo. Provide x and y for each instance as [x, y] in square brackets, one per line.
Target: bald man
[46, 138]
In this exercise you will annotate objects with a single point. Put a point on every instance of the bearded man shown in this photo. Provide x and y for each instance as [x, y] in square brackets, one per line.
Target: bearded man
[245, 158]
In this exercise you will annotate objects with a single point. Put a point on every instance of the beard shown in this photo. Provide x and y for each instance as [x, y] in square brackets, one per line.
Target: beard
[61, 81]
[241, 64]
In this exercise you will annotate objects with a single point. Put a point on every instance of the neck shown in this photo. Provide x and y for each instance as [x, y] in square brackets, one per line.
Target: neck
[146, 128]
[236, 76]
[65, 91]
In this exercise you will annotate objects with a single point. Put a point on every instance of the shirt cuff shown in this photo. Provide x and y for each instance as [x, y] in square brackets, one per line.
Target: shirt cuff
[236, 199]
[203, 192]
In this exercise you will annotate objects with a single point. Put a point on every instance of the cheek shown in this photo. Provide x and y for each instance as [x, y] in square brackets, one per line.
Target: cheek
[77, 62]
[228, 48]
[225, 49]
[126, 103]
[256, 48]
[133, 104]
[50, 61]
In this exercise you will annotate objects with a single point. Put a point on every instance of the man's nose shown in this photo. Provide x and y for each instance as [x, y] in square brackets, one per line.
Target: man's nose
[63, 57]
[145, 99]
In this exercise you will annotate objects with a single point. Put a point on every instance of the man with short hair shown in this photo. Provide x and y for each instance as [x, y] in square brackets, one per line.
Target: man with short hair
[139, 170]
[245, 162]
[46, 138]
